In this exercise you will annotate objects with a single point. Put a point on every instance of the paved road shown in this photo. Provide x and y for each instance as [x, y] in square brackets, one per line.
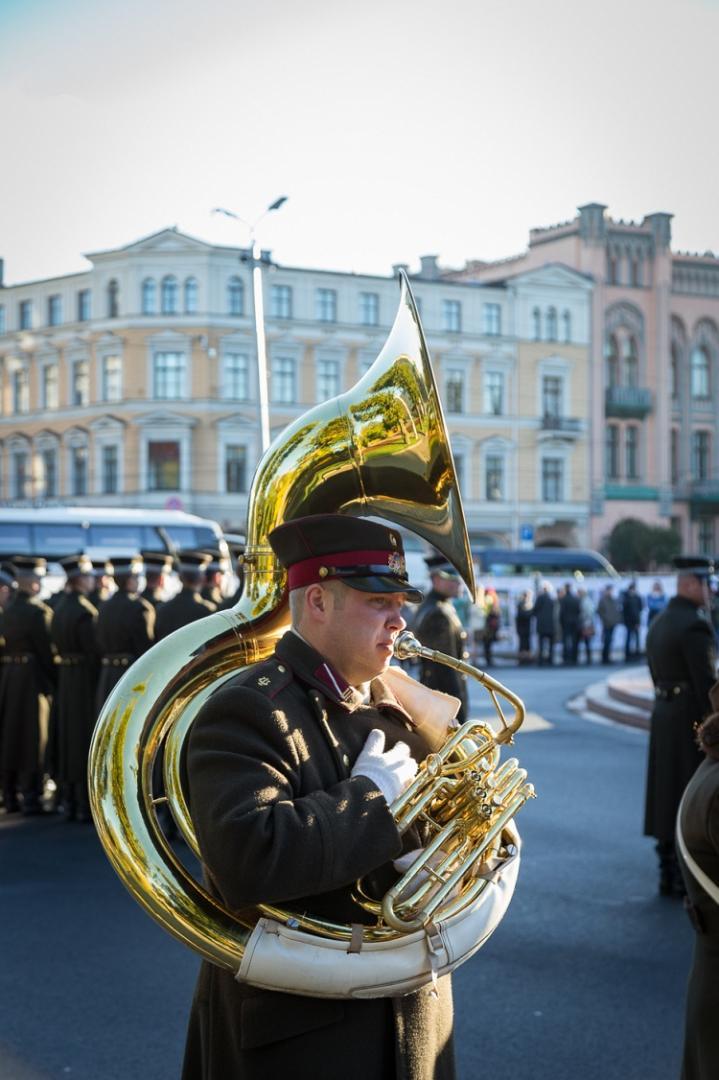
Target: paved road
[584, 980]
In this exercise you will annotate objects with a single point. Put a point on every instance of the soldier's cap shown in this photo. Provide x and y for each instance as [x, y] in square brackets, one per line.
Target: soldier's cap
[700, 566]
[75, 565]
[156, 562]
[126, 564]
[440, 565]
[101, 567]
[363, 554]
[188, 562]
[7, 575]
[23, 565]
[217, 563]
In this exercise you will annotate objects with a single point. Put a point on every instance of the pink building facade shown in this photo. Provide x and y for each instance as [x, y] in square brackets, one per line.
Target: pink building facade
[654, 368]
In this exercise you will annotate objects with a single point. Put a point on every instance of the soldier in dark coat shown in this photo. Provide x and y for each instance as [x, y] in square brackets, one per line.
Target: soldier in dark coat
[438, 626]
[187, 605]
[102, 591]
[157, 566]
[27, 681]
[699, 824]
[286, 811]
[74, 637]
[682, 663]
[125, 626]
[214, 574]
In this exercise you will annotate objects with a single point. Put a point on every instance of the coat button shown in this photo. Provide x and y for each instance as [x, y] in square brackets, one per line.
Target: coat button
[280, 668]
[345, 760]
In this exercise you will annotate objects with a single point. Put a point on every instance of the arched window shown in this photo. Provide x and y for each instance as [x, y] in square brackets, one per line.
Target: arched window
[699, 373]
[235, 296]
[551, 324]
[631, 362]
[149, 297]
[611, 270]
[674, 368]
[169, 295]
[567, 321]
[191, 296]
[537, 324]
[612, 358]
[113, 299]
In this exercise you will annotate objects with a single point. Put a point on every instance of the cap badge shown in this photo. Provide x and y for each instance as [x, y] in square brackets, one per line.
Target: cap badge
[396, 564]
[323, 571]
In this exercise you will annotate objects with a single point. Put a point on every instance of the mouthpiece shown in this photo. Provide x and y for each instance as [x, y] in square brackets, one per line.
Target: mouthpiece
[406, 645]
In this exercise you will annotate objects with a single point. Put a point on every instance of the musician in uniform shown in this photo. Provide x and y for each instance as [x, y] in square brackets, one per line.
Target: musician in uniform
[438, 626]
[214, 573]
[157, 566]
[682, 662]
[125, 626]
[75, 638]
[102, 590]
[187, 605]
[26, 684]
[291, 769]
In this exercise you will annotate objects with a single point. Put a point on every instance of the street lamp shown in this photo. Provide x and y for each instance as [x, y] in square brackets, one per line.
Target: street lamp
[259, 305]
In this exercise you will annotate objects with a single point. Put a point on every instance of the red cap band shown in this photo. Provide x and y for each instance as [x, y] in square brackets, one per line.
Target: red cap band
[307, 572]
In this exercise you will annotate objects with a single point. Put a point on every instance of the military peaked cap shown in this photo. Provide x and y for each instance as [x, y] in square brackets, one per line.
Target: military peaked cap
[74, 565]
[217, 562]
[126, 564]
[192, 561]
[157, 562]
[699, 565]
[439, 564]
[29, 564]
[101, 566]
[7, 574]
[363, 554]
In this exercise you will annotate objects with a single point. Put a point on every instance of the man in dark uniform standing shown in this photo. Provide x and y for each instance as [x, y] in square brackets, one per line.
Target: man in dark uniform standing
[438, 626]
[101, 592]
[214, 573]
[157, 565]
[27, 681]
[125, 626]
[74, 636]
[291, 769]
[682, 663]
[187, 605]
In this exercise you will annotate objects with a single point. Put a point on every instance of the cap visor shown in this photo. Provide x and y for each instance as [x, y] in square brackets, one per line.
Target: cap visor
[379, 584]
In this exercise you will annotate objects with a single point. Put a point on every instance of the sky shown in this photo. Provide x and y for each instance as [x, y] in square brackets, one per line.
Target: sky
[396, 128]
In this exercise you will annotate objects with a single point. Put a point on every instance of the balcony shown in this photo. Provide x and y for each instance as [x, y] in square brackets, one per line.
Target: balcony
[704, 497]
[554, 426]
[629, 402]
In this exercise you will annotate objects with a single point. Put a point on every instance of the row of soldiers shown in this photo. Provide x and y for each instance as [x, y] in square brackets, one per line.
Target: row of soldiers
[60, 659]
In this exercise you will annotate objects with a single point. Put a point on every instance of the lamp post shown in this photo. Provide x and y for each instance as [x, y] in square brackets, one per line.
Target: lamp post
[259, 306]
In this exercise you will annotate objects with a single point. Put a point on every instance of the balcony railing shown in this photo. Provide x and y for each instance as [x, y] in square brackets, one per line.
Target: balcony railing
[704, 494]
[565, 425]
[628, 401]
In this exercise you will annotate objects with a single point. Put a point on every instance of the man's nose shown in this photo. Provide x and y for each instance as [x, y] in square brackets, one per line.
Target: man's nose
[395, 618]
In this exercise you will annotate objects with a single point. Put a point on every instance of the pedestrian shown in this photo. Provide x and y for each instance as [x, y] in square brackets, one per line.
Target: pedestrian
[631, 617]
[125, 625]
[26, 685]
[492, 623]
[291, 768]
[157, 566]
[544, 614]
[523, 623]
[610, 616]
[74, 634]
[656, 602]
[682, 662]
[586, 623]
[569, 621]
[187, 605]
[438, 626]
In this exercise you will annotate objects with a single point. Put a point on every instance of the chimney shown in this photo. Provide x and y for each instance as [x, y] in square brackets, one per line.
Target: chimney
[430, 270]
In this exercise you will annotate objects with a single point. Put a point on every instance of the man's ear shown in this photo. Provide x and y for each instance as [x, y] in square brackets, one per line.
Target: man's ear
[316, 602]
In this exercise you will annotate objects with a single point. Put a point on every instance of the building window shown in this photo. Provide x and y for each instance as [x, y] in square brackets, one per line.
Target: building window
[492, 319]
[235, 376]
[612, 358]
[699, 373]
[281, 302]
[110, 470]
[236, 296]
[191, 294]
[454, 390]
[169, 375]
[552, 480]
[631, 363]
[170, 293]
[80, 383]
[326, 305]
[235, 469]
[20, 391]
[113, 299]
[283, 381]
[369, 308]
[78, 470]
[567, 322]
[674, 367]
[674, 456]
[163, 466]
[552, 396]
[537, 324]
[54, 310]
[48, 464]
[700, 455]
[494, 477]
[328, 379]
[705, 536]
[25, 315]
[50, 396]
[149, 297]
[494, 393]
[611, 270]
[452, 316]
[83, 305]
[551, 324]
[3, 325]
[612, 462]
[631, 447]
[20, 474]
[111, 378]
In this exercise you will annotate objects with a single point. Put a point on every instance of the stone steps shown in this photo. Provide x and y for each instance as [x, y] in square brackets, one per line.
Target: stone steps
[626, 698]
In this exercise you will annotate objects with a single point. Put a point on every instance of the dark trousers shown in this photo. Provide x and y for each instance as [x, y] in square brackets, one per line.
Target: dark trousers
[570, 645]
[587, 643]
[631, 648]
[607, 635]
[546, 648]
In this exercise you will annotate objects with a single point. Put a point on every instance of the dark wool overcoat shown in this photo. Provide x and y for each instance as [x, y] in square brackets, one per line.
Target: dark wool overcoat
[185, 607]
[125, 630]
[544, 611]
[75, 638]
[438, 626]
[154, 597]
[700, 828]
[279, 819]
[27, 679]
[680, 650]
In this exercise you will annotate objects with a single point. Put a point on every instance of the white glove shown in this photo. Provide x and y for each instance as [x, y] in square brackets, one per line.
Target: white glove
[391, 771]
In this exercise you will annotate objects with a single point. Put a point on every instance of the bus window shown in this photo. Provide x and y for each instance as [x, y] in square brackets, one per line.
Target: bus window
[15, 539]
[53, 541]
[125, 537]
[191, 537]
